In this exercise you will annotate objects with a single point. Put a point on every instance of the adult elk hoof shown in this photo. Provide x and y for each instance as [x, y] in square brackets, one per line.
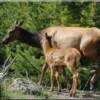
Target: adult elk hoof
[92, 83]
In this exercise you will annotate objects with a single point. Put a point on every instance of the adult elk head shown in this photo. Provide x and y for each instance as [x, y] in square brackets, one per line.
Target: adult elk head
[13, 33]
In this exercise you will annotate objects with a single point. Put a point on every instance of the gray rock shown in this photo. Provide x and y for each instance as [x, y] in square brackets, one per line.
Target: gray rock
[25, 86]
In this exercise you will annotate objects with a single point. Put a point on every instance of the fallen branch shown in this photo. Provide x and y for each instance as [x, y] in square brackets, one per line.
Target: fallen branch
[8, 62]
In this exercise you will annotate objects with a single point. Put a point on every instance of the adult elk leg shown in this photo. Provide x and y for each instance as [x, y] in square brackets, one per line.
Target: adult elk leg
[65, 75]
[94, 78]
[44, 68]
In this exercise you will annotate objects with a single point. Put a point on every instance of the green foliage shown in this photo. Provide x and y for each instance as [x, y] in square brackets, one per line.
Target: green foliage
[36, 16]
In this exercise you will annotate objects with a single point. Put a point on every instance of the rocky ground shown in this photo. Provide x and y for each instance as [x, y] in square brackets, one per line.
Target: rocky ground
[26, 89]
[81, 95]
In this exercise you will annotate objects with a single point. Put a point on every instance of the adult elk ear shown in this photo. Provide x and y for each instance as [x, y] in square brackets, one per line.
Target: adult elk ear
[19, 23]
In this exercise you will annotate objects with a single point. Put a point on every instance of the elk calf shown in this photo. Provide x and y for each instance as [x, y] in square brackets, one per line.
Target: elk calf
[59, 58]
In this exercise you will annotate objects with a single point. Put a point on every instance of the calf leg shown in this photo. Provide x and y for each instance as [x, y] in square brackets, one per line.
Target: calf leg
[57, 79]
[73, 70]
[44, 68]
[75, 83]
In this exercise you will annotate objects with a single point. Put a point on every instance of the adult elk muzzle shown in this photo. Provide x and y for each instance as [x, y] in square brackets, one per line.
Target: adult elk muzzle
[6, 39]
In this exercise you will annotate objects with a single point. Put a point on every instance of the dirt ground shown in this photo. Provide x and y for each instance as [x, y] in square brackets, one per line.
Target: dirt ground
[47, 94]
[81, 95]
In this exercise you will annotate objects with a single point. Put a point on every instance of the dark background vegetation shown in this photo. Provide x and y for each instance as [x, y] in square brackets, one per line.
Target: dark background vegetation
[37, 16]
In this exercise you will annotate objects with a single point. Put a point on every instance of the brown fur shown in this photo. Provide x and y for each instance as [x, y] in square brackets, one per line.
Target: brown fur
[57, 59]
